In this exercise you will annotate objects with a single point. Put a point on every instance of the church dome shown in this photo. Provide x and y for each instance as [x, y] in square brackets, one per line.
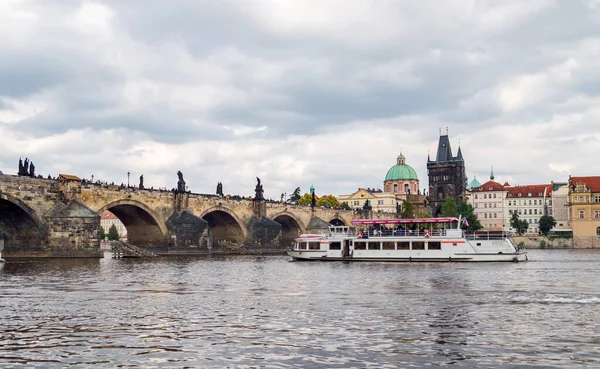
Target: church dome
[401, 171]
[474, 183]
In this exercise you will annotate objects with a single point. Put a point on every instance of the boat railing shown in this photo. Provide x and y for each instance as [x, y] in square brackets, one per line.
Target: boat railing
[403, 233]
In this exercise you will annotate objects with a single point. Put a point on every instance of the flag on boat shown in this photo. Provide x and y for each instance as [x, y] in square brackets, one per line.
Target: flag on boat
[465, 222]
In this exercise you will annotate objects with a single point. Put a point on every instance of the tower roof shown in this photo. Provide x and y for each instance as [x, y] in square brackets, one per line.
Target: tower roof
[444, 151]
[474, 183]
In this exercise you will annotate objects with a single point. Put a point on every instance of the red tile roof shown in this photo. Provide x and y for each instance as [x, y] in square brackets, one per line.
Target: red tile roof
[593, 183]
[68, 177]
[107, 215]
[489, 186]
[534, 190]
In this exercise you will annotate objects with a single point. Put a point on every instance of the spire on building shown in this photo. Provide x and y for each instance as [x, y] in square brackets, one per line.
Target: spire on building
[444, 152]
[492, 174]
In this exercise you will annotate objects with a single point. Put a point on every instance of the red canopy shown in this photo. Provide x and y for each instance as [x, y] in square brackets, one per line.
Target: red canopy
[404, 221]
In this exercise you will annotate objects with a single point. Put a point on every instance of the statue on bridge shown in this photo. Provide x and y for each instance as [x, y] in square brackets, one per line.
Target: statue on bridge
[141, 182]
[220, 189]
[180, 182]
[26, 168]
[258, 190]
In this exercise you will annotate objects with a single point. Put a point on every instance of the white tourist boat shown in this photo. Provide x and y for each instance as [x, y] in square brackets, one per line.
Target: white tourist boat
[433, 239]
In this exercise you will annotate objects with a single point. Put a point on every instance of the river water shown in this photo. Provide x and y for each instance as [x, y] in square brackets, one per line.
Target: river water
[269, 312]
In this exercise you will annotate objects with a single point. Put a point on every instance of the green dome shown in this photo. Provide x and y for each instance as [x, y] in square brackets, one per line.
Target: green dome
[401, 172]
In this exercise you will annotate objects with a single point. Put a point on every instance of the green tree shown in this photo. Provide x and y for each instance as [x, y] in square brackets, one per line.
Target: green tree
[113, 233]
[101, 233]
[423, 214]
[328, 201]
[520, 226]
[449, 209]
[408, 210]
[467, 211]
[546, 224]
[305, 200]
[295, 196]
[345, 206]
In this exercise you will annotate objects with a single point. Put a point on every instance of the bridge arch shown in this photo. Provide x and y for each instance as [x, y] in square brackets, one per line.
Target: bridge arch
[291, 226]
[24, 229]
[144, 227]
[225, 225]
[337, 221]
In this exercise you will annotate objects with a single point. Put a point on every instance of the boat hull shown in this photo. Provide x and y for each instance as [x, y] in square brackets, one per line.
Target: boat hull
[324, 255]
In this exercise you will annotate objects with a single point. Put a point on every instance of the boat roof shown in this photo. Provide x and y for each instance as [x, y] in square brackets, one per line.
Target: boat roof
[405, 221]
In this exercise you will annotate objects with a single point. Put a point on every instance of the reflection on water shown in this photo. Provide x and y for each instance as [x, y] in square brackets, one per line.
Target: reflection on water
[270, 312]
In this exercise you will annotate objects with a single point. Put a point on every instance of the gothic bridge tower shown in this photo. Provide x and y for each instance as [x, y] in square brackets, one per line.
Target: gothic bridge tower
[447, 177]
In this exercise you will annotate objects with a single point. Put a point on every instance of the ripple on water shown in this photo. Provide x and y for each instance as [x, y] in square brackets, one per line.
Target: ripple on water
[268, 312]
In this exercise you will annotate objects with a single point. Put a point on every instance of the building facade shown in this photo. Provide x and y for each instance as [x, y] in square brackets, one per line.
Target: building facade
[560, 207]
[446, 176]
[107, 219]
[488, 204]
[530, 203]
[584, 209]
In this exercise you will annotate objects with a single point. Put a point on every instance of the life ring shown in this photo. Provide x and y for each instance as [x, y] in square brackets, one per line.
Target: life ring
[427, 233]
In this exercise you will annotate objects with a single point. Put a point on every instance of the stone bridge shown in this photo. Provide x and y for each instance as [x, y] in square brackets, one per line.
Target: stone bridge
[46, 217]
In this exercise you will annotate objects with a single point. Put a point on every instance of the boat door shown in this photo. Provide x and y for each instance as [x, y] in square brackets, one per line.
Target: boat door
[346, 249]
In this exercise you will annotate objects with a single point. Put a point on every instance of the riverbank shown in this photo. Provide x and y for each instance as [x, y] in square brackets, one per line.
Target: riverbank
[542, 242]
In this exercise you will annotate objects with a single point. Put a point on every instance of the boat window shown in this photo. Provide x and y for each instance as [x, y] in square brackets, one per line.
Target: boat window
[304, 245]
[434, 245]
[374, 245]
[335, 246]
[404, 245]
[314, 245]
[360, 245]
[418, 245]
[388, 246]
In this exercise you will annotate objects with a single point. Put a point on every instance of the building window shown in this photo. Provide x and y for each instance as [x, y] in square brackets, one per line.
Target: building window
[406, 188]
[580, 199]
[510, 212]
[509, 203]
[598, 231]
[529, 211]
[485, 195]
[494, 195]
[395, 187]
[597, 214]
[475, 196]
[596, 198]
[581, 214]
[495, 215]
[535, 211]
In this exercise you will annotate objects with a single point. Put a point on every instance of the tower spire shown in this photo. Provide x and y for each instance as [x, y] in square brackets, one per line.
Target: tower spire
[492, 174]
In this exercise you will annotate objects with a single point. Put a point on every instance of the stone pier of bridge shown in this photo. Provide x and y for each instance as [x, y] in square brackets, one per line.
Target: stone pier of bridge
[61, 218]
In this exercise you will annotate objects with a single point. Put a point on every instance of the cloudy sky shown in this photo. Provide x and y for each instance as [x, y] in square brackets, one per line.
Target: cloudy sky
[323, 92]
